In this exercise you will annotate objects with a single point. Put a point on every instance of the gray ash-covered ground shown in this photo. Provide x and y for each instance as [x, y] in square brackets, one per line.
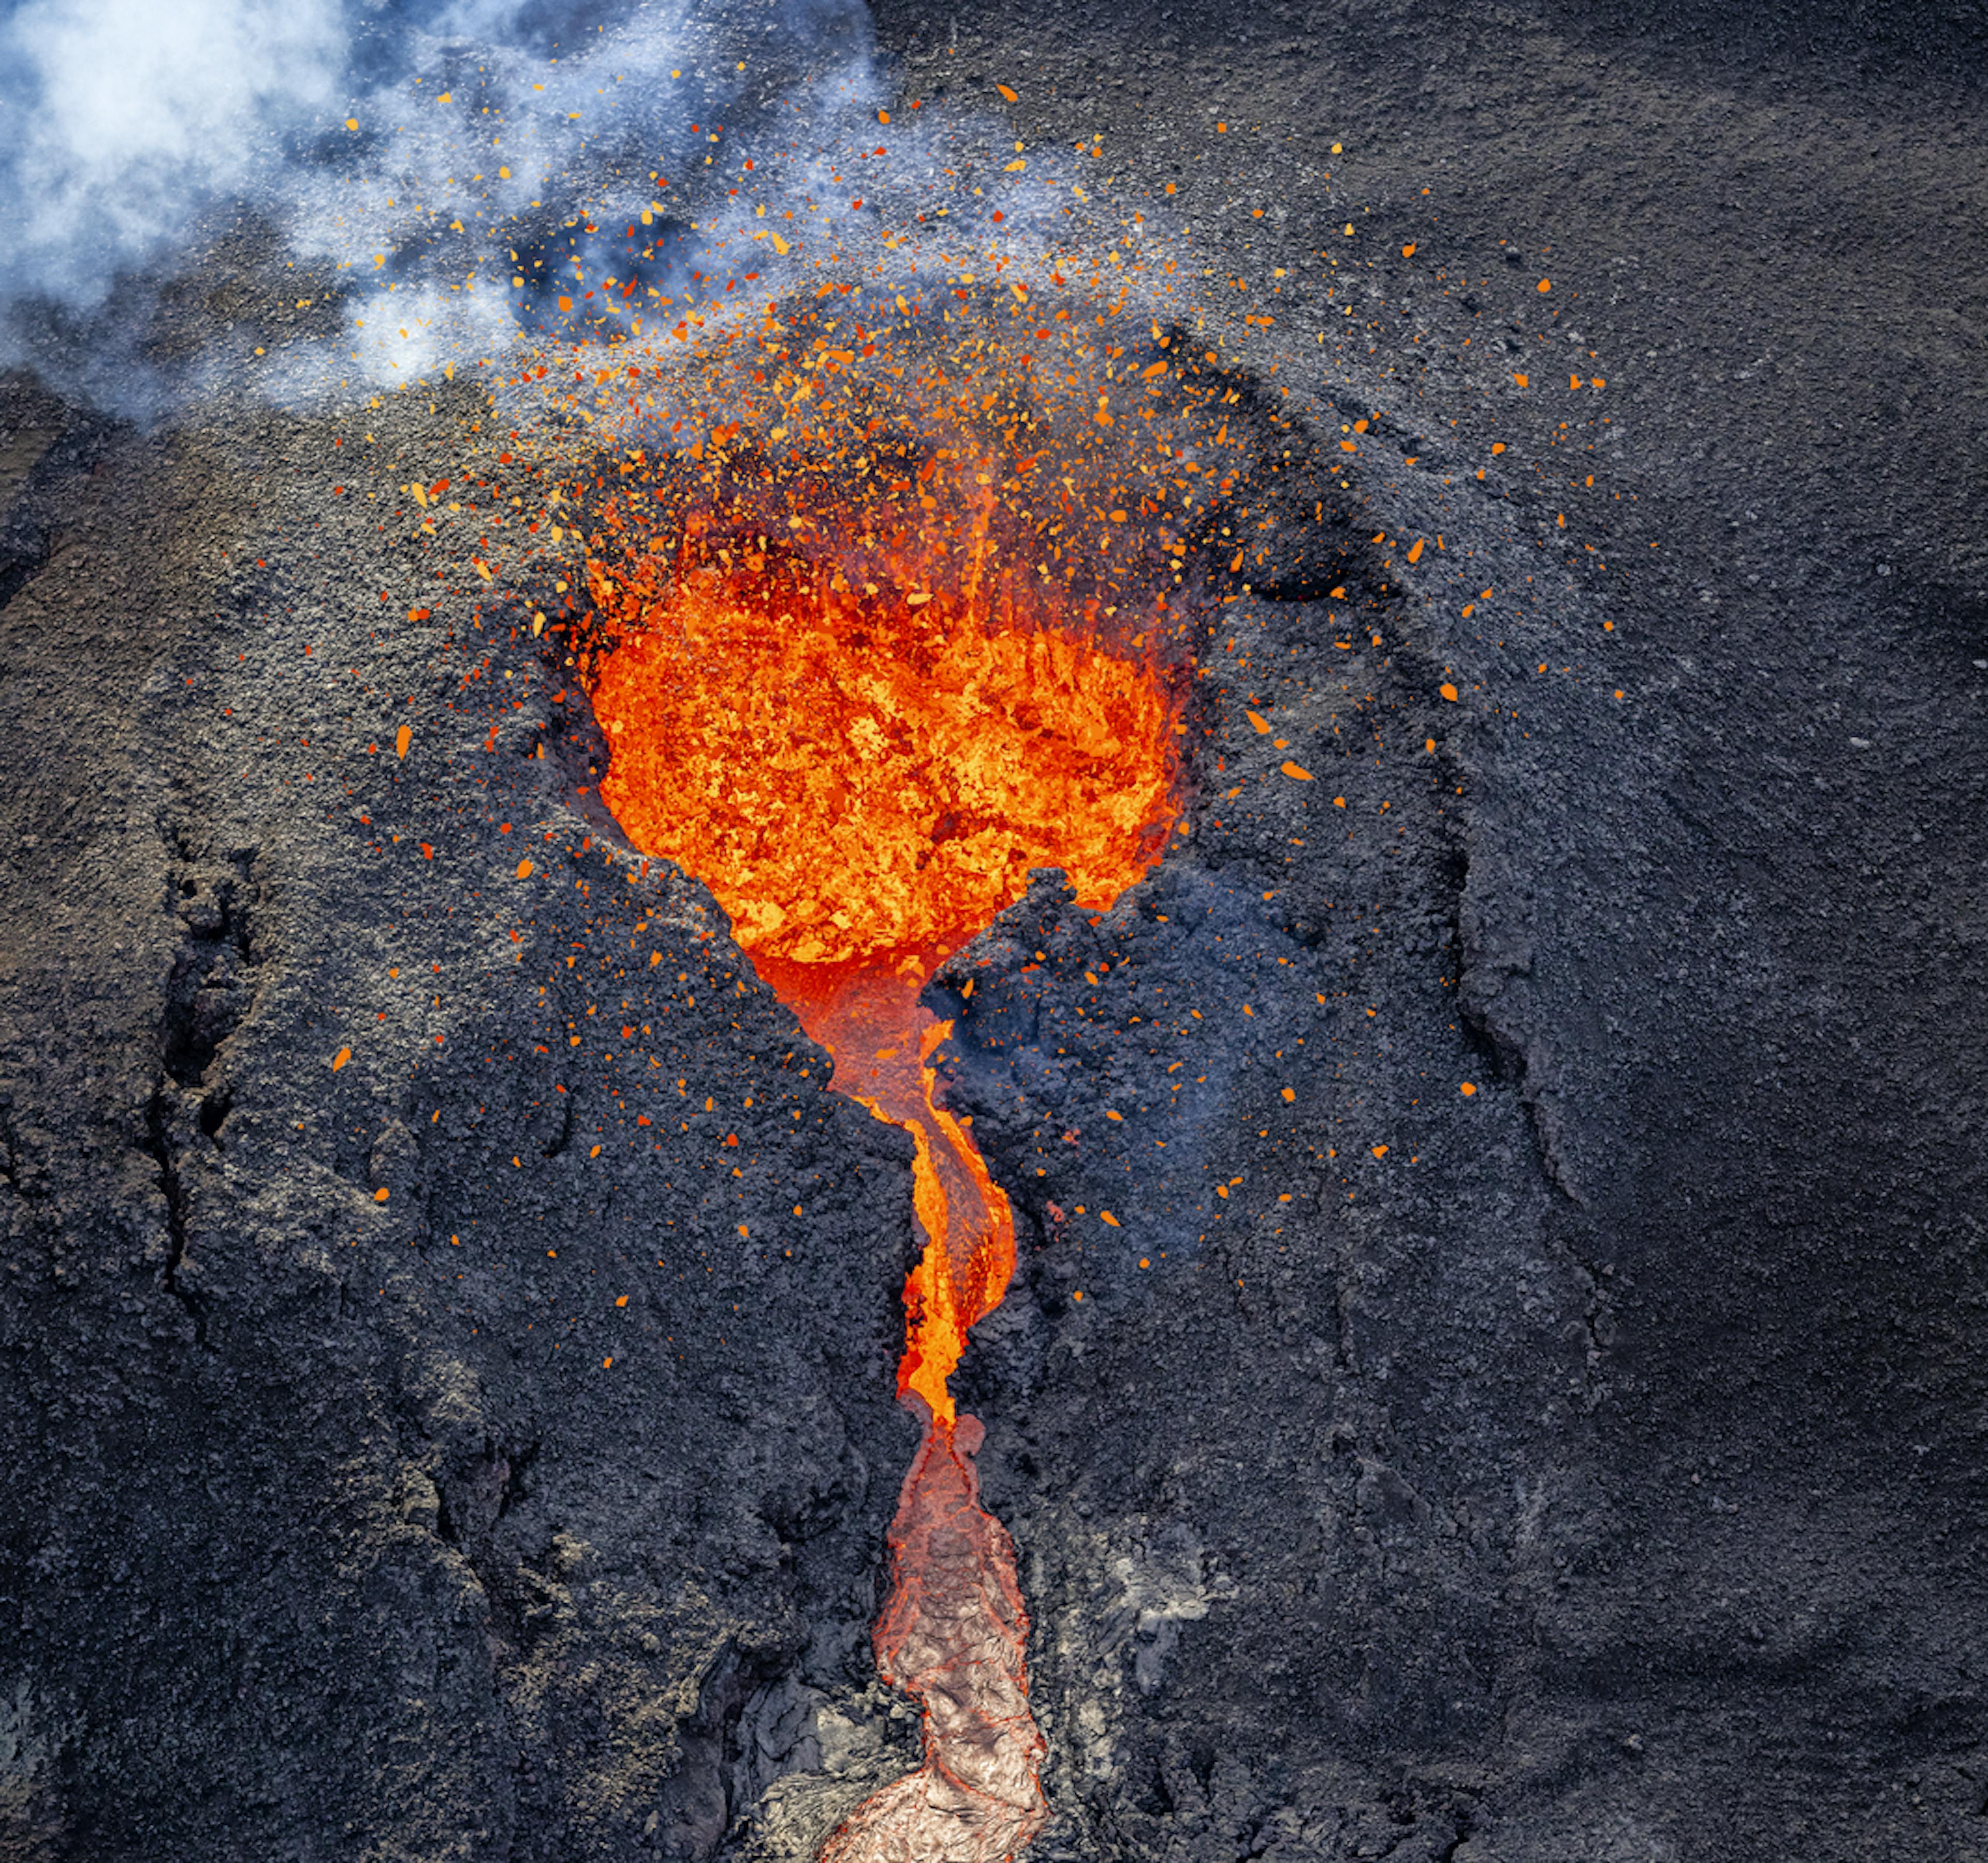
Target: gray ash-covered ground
[1593, 1473]
[332, 1528]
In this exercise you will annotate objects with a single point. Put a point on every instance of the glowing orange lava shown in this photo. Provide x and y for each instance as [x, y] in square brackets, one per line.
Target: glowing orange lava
[891, 551]
[863, 783]
[864, 778]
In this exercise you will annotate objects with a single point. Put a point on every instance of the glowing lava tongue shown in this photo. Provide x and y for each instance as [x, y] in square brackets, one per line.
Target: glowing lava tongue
[864, 787]
[952, 1636]
[871, 1020]
[953, 1633]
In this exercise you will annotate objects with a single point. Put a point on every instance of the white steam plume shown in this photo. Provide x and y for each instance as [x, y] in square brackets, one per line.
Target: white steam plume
[214, 195]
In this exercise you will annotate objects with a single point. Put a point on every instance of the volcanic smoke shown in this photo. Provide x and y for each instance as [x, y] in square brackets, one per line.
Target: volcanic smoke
[864, 779]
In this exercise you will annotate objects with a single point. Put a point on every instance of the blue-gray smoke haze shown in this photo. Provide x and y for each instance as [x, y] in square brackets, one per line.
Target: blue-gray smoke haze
[214, 195]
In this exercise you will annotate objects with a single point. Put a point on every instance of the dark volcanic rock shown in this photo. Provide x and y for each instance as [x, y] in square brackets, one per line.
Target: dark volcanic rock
[1595, 1470]
[1587, 1466]
[434, 1428]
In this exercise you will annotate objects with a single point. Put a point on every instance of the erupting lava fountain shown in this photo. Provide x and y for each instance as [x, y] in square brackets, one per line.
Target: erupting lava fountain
[864, 776]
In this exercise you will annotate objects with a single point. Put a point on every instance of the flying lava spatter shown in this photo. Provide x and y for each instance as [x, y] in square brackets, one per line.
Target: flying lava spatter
[864, 777]
[883, 551]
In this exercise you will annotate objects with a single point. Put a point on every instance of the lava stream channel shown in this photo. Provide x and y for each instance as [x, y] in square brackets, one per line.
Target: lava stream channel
[864, 782]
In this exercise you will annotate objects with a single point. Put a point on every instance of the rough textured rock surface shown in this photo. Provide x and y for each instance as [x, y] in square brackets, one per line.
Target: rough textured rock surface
[1594, 1472]
[331, 1530]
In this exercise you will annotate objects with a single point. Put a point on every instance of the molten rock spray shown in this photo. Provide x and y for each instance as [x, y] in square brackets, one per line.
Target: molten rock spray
[881, 604]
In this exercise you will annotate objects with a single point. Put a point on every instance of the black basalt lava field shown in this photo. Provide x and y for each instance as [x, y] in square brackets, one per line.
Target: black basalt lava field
[1497, 1365]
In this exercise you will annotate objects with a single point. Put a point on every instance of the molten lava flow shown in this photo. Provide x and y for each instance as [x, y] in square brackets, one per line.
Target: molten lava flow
[860, 780]
[864, 782]
[871, 1020]
[863, 790]
[952, 1636]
